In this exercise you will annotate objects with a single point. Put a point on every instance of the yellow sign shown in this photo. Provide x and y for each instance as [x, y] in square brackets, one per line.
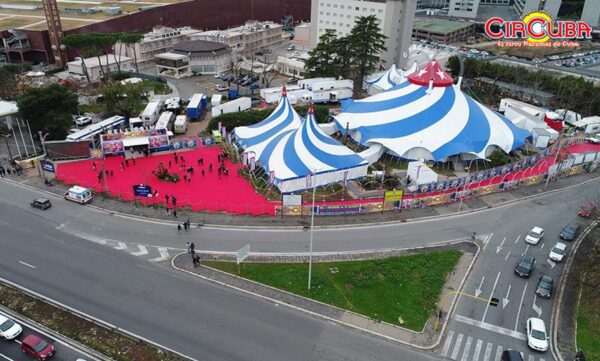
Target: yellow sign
[393, 196]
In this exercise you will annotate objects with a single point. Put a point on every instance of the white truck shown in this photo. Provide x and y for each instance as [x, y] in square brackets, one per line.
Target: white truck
[151, 112]
[216, 100]
[136, 122]
[180, 125]
[237, 105]
[327, 96]
[165, 121]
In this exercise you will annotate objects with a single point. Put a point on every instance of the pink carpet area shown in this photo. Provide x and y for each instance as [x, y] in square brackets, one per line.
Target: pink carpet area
[230, 193]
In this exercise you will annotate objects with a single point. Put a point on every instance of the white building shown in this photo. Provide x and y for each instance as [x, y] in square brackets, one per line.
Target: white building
[290, 66]
[591, 13]
[160, 40]
[109, 62]
[523, 7]
[196, 56]
[395, 19]
[302, 34]
[463, 8]
[173, 65]
[247, 39]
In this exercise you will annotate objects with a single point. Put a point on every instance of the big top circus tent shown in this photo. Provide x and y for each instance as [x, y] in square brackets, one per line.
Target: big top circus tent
[306, 157]
[389, 79]
[428, 117]
[254, 138]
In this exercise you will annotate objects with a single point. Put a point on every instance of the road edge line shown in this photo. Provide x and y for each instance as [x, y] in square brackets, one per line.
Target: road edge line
[91, 318]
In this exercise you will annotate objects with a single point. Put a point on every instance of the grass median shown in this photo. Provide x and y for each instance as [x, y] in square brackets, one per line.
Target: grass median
[399, 290]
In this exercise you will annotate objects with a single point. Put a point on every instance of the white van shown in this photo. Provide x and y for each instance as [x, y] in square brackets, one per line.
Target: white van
[79, 194]
[180, 124]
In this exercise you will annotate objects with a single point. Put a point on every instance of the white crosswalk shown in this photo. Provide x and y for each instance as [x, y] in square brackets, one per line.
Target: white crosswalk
[490, 353]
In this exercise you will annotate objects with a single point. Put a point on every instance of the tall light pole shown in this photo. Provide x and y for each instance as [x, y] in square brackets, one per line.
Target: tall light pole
[465, 186]
[312, 226]
[555, 160]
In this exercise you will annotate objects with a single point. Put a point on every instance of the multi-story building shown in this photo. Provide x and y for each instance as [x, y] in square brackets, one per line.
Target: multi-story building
[522, 7]
[441, 30]
[591, 13]
[247, 39]
[463, 8]
[395, 19]
[160, 40]
[494, 2]
[427, 4]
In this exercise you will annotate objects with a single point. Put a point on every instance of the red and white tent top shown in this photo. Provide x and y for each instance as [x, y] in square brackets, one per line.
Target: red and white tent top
[432, 70]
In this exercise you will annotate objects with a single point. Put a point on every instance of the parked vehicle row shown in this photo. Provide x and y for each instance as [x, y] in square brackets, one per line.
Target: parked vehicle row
[31, 345]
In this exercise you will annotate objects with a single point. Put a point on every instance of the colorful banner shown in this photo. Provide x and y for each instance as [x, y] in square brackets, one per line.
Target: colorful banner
[393, 196]
[158, 142]
[113, 147]
[47, 165]
[142, 190]
[185, 143]
[96, 154]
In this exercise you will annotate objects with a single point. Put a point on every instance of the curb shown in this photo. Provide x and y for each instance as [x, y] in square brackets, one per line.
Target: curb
[556, 311]
[91, 318]
[60, 338]
[339, 226]
[333, 320]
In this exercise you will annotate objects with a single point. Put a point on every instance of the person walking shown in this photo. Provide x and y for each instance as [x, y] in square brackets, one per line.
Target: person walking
[203, 172]
[173, 201]
[94, 165]
[174, 213]
[192, 246]
[185, 178]
[133, 160]
[178, 228]
[196, 260]
[167, 200]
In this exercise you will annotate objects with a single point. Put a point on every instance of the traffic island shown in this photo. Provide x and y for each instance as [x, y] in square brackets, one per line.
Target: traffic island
[392, 294]
[111, 342]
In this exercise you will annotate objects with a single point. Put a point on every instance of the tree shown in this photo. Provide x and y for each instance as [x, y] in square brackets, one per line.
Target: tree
[9, 80]
[49, 109]
[366, 42]
[498, 158]
[269, 72]
[130, 40]
[321, 60]
[126, 99]
[344, 58]
[79, 43]
[453, 66]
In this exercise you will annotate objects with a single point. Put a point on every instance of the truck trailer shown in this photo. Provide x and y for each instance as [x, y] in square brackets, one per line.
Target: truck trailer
[238, 105]
[151, 112]
[196, 105]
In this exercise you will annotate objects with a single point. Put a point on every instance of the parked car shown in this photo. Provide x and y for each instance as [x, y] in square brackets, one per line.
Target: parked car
[9, 329]
[525, 266]
[291, 80]
[557, 253]
[571, 231]
[291, 48]
[41, 203]
[254, 86]
[544, 287]
[537, 338]
[511, 355]
[34, 346]
[534, 236]
[221, 88]
[588, 210]
[219, 76]
[595, 139]
[83, 121]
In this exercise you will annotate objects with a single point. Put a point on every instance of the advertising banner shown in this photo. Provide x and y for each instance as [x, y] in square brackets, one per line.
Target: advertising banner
[47, 165]
[185, 143]
[113, 147]
[272, 177]
[393, 196]
[158, 142]
[292, 199]
[142, 190]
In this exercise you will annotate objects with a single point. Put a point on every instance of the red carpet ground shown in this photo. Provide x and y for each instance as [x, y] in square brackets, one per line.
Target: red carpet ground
[210, 192]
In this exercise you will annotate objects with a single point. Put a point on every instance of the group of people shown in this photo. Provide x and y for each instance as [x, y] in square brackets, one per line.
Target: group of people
[186, 226]
[7, 171]
[195, 256]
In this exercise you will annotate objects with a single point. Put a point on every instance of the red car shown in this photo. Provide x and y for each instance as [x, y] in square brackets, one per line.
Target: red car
[36, 347]
[588, 210]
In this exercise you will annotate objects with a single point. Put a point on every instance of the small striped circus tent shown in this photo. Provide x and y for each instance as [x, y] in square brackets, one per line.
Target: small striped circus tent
[298, 159]
[254, 138]
[389, 79]
[428, 117]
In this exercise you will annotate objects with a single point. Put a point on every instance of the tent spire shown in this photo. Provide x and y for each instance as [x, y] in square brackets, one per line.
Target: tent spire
[283, 91]
[310, 109]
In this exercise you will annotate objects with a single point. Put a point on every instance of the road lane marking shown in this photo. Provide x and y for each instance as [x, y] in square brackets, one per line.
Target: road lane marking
[507, 255]
[490, 327]
[526, 249]
[536, 308]
[477, 350]
[499, 248]
[505, 300]
[457, 346]
[491, 294]
[27, 264]
[467, 348]
[520, 306]
[447, 343]
[142, 251]
[478, 289]
[517, 240]
[121, 245]
[488, 352]
[531, 358]
[498, 353]
[551, 263]
[487, 240]
[6, 357]
[164, 255]
[542, 247]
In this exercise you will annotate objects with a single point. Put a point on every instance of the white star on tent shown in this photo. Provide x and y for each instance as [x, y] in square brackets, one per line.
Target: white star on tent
[441, 74]
[421, 72]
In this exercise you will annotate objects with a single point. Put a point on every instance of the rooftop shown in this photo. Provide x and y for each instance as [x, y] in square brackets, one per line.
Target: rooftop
[106, 59]
[200, 46]
[171, 56]
[440, 25]
[8, 108]
[249, 27]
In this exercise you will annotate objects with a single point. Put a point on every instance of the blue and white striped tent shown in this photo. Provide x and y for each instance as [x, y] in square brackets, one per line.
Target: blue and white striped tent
[389, 79]
[428, 117]
[254, 138]
[298, 158]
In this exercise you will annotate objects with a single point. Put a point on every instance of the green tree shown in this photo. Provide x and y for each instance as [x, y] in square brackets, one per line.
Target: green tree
[366, 43]
[498, 158]
[129, 40]
[453, 66]
[126, 99]
[321, 60]
[9, 80]
[49, 109]
[81, 44]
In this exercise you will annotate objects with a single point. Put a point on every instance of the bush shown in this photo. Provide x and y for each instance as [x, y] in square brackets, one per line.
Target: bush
[164, 175]
[498, 158]
[241, 119]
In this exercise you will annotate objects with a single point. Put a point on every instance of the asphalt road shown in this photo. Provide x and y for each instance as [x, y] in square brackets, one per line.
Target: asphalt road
[10, 351]
[179, 311]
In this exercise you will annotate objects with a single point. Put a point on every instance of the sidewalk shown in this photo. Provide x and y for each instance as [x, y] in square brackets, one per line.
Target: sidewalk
[424, 339]
[223, 219]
